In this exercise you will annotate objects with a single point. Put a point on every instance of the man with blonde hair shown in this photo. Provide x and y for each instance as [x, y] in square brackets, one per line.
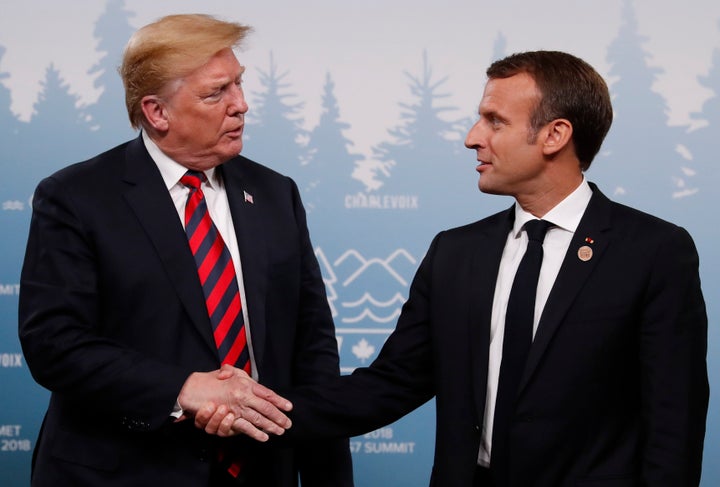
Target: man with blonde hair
[151, 266]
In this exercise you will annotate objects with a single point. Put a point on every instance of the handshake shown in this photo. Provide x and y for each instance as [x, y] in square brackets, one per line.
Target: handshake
[227, 402]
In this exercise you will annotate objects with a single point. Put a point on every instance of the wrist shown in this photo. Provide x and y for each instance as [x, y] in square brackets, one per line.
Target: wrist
[186, 400]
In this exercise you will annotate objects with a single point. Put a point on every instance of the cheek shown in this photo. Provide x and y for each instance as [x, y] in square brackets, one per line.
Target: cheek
[208, 118]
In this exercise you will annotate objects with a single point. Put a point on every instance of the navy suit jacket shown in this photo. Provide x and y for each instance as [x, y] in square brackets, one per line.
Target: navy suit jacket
[615, 389]
[113, 320]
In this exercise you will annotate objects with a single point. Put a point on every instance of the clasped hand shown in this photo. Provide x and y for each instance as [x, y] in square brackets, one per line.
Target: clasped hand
[228, 401]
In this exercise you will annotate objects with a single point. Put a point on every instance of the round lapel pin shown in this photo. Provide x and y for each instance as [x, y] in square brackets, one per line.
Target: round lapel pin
[585, 253]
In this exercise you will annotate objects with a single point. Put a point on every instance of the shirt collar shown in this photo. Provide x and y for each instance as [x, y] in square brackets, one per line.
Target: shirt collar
[170, 170]
[566, 214]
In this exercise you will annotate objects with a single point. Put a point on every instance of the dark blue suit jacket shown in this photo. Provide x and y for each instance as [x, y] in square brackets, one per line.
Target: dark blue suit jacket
[113, 320]
[615, 390]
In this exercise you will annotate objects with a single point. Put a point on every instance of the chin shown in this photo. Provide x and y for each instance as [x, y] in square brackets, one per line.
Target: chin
[232, 150]
[487, 188]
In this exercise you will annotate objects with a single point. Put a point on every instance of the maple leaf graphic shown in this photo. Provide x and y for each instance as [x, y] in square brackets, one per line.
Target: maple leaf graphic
[363, 350]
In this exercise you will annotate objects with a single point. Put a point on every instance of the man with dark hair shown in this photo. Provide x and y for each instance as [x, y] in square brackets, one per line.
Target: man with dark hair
[153, 264]
[565, 338]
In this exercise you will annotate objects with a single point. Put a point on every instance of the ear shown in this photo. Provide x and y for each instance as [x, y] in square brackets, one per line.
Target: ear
[558, 135]
[155, 112]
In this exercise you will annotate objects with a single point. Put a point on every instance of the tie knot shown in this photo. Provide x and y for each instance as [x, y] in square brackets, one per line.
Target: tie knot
[536, 229]
[193, 179]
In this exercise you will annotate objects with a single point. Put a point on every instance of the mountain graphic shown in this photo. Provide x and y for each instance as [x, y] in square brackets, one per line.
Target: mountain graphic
[352, 265]
[373, 296]
[329, 279]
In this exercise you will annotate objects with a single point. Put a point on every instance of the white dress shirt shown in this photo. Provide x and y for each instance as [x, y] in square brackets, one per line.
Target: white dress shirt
[219, 209]
[565, 218]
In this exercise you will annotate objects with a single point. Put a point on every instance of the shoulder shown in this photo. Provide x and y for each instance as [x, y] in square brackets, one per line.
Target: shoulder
[637, 225]
[247, 168]
[255, 177]
[93, 170]
[637, 232]
[621, 214]
[485, 233]
[497, 223]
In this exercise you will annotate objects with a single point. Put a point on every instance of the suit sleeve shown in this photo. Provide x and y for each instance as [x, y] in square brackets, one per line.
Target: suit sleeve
[673, 346]
[398, 381]
[60, 322]
[325, 463]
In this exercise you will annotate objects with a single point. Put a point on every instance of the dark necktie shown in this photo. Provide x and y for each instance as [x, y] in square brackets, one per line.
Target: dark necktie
[217, 276]
[516, 345]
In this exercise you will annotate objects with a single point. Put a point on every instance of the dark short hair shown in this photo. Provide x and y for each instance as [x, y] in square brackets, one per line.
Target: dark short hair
[569, 88]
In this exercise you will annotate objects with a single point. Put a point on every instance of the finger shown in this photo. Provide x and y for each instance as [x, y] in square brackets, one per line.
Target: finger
[204, 414]
[265, 415]
[225, 428]
[228, 371]
[262, 422]
[272, 397]
[213, 425]
[242, 426]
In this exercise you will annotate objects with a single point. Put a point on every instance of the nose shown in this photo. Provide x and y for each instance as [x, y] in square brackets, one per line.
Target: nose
[474, 138]
[237, 104]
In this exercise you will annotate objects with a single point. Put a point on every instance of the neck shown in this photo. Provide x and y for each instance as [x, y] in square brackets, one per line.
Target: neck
[540, 202]
[178, 153]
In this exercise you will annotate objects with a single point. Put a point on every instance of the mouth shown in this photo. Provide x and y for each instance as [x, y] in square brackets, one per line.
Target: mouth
[237, 132]
[482, 166]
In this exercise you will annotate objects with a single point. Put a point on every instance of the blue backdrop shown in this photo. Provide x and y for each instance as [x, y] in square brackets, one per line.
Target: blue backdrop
[366, 107]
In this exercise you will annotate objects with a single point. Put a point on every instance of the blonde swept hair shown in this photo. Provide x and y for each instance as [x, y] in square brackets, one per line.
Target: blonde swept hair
[170, 49]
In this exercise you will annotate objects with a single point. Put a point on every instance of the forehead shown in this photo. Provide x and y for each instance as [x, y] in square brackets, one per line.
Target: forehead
[516, 93]
[221, 66]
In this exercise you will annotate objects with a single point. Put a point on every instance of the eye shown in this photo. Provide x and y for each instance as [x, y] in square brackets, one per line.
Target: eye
[495, 122]
[214, 94]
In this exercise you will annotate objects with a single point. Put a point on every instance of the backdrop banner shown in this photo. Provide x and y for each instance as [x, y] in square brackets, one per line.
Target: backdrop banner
[366, 105]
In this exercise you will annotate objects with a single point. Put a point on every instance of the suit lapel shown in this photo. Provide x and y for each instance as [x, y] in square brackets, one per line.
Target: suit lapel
[485, 266]
[153, 207]
[574, 272]
[247, 209]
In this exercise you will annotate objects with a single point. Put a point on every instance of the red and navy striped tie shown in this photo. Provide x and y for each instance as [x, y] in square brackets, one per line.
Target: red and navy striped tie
[217, 276]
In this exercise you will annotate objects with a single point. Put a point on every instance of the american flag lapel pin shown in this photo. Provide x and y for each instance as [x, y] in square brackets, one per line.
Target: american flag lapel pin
[248, 197]
[585, 252]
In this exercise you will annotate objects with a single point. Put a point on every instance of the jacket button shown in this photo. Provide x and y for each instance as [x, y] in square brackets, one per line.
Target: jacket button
[203, 455]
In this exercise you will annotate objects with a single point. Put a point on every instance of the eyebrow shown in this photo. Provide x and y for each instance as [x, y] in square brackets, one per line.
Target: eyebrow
[490, 112]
